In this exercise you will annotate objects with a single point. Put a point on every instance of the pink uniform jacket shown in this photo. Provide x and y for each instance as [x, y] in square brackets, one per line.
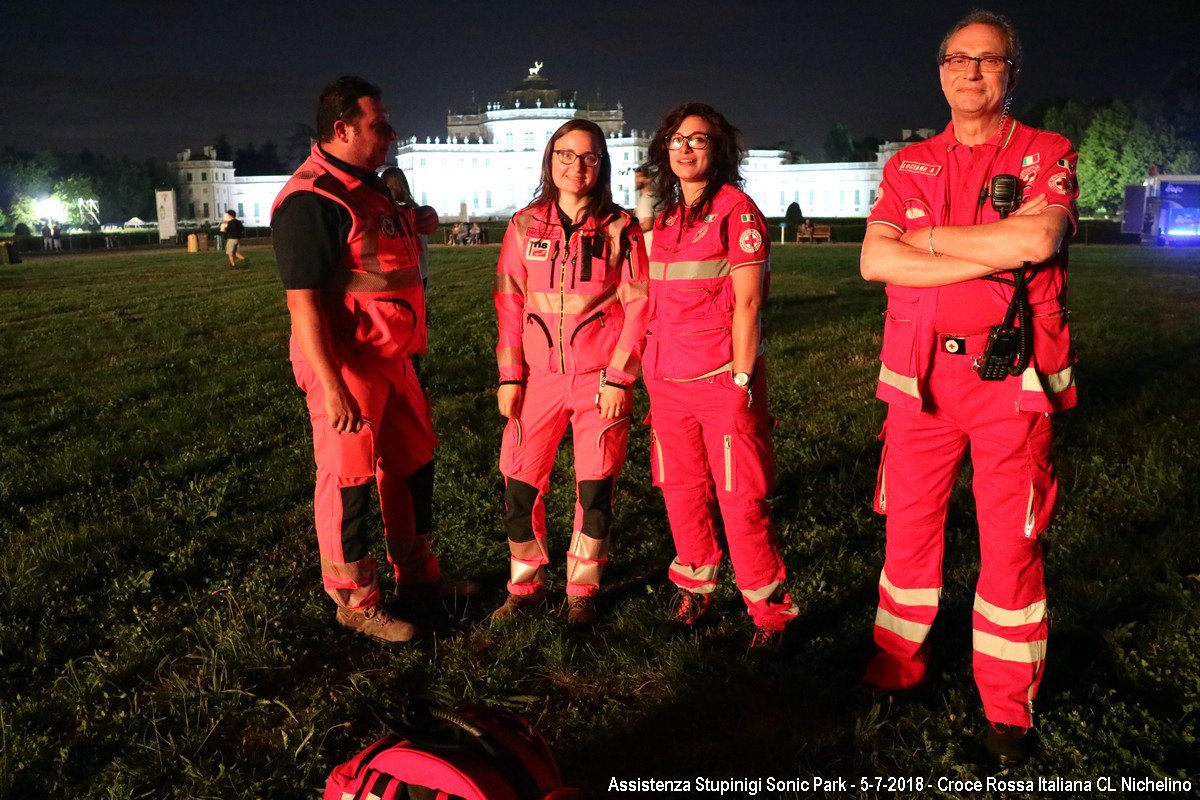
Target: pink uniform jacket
[940, 182]
[691, 299]
[571, 307]
[378, 306]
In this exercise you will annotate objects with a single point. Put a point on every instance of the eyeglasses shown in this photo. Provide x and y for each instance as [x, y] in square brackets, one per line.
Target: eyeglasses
[959, 62]
[568, 157]
[696, 141]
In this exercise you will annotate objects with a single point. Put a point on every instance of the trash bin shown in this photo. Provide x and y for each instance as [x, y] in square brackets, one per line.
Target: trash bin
[193, 243]
[205, 242]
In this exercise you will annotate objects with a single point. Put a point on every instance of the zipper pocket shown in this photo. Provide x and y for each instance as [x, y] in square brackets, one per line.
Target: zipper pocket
[543, 326]
[399, 301]
[607, 428]
[728, 463]
[599, 315]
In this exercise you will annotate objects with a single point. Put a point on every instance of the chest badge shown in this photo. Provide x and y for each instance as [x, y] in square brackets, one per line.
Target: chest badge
[703, 229]
[387, 226]
[919, 168]
[537, 250]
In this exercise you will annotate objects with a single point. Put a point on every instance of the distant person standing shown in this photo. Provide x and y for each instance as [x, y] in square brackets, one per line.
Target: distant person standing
[47, 240]
[56, 237]
[397, 183]
[348, 257]
[647, 205]
[234, 230]
[976, 353]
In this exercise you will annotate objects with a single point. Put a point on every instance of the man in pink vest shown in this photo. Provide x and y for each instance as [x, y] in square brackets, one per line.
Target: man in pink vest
[969, 233]
[349, 259]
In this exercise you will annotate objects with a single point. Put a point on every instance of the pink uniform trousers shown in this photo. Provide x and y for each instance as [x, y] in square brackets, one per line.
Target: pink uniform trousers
[1015, 491]
[393, 450]
[552, 400]
[708, 444]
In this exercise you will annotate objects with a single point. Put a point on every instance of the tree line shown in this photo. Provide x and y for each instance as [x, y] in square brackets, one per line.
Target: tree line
[1119, 141]
[123, 186]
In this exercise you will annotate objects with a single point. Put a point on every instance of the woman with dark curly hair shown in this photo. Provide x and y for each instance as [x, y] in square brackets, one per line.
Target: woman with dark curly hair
[710, 431]
[571, 305]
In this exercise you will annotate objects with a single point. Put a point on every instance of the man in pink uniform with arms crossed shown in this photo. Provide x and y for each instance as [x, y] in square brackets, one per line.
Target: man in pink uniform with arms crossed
[944, 228]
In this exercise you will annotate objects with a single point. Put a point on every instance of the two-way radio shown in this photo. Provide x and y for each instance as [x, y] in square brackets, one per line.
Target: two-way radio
[1006, 341]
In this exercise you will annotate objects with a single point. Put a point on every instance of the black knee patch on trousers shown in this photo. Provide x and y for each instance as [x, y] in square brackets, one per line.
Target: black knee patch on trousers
[519, 498]
[420, 487]
[595, 498]
[355, 499]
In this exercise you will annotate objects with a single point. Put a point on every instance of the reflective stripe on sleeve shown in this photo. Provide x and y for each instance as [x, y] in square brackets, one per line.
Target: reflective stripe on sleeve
[904, 383]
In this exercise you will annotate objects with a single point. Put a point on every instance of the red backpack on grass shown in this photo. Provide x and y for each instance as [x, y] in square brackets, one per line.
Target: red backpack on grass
[472, 753]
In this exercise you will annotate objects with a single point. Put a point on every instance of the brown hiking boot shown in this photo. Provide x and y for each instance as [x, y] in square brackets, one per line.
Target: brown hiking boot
[581, 612]
[517, 604]
[444, 589]
[376, 622]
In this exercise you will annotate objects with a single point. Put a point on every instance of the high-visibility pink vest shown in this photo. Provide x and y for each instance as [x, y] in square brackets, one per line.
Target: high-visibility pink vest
[376, 308]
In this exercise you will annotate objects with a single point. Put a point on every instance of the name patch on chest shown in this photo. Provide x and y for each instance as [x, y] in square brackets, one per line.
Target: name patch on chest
[919, 168]
[537, 250]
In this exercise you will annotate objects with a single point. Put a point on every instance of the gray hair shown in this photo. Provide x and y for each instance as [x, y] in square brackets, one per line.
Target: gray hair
[979, 16]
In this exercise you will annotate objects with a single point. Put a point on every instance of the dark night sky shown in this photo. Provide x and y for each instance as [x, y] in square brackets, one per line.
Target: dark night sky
[155, 78]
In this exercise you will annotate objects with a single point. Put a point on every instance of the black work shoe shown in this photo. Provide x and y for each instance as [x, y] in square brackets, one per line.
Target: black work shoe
[689, 612]
[517, 604]
[1008, 745]
[581, 612]
[766, 641]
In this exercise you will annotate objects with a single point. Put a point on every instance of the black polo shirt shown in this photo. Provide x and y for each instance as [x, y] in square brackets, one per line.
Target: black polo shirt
[309, 232]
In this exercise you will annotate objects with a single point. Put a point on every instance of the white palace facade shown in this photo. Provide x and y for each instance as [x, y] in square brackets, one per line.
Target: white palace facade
[487, 165]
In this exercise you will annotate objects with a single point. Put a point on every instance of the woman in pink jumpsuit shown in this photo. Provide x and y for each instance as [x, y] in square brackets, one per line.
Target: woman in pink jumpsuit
[571, 310]
[711, 433]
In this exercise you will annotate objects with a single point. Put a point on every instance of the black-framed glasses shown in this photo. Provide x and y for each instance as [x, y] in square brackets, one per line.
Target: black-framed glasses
[696, 141]
[568, 157]
[959, 62]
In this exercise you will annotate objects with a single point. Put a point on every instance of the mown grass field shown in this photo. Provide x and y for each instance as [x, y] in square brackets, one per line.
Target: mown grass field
[163, 632]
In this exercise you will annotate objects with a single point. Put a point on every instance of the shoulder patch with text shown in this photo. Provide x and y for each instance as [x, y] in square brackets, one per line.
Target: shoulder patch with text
[919, 168]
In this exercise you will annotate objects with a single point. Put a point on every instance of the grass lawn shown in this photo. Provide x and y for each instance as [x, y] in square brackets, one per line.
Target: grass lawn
[164, 633]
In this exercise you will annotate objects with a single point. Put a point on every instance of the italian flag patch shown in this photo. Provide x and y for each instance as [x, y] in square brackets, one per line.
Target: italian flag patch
[1029, 161]
[747, 218]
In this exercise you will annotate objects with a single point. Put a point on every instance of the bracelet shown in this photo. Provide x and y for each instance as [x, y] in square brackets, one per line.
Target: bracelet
[624, 386]
[511, 383]
[932, 252]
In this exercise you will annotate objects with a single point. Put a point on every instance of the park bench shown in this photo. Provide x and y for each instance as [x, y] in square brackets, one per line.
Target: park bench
[814, 234]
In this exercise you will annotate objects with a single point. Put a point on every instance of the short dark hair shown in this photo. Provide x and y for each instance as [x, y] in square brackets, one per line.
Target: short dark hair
[339, 101]
[725, 154]
[980, 16]
[231, 212]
